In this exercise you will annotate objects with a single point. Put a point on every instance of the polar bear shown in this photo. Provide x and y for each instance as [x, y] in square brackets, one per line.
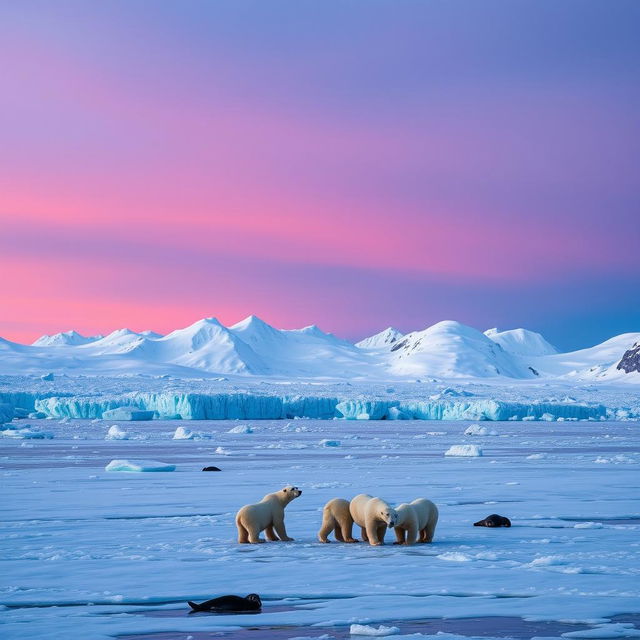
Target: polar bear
[266, 515]
[336, 517]
[417, 520]
[373, 516]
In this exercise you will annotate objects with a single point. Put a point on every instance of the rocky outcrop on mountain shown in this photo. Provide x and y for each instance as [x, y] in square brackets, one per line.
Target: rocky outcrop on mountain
[630, 360]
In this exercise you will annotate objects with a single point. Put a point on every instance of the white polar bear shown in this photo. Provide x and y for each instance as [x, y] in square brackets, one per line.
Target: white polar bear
[336, 517]
[373, 516]
[266, 515]
[417, 520]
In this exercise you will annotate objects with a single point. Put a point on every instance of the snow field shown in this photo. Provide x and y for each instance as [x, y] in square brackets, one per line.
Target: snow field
[73, 534]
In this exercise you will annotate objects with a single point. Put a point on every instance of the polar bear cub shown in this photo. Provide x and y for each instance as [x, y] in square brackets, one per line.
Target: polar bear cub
[373, 516]
[417, 520]
[266, 515]
[336, 518]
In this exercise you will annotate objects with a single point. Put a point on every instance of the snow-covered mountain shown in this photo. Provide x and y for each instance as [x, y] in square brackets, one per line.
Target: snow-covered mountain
[254, 348]
[521, 342]
[449, 349]
[595, 363]
[381, 340]
[64, 339]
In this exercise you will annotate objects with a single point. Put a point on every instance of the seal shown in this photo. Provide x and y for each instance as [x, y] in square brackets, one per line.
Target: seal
[211, 469]
[227, 604]
[494, 520]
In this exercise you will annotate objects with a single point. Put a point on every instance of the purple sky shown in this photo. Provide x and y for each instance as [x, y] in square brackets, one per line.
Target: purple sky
[352, 164]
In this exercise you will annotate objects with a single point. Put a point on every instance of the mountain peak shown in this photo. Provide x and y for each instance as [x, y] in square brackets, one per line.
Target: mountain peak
[381, 340]
[521, 342]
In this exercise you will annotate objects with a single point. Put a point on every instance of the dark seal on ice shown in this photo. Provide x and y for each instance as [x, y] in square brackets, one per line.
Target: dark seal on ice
[230, 604]
[211, 469]
[494, 520]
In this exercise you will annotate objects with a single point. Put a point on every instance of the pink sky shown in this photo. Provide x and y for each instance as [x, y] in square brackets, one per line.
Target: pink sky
[155, 169]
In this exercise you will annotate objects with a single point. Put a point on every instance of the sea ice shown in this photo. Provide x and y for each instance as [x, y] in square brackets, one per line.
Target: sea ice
[606, 631]
[465, 450]
[24, 432]
[139, 466]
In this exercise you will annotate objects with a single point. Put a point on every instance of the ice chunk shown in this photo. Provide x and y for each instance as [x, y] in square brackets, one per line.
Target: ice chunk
[465, 450]
[368, 630]
[548, 417]
[478, 430]
[330, 443]
[221, 451]
[24, 432]
[139, 466]
[37, 415]
[182, 433]
[588, 525]
[127, 413]
[241, 428]
[48, 377]
[116, 433]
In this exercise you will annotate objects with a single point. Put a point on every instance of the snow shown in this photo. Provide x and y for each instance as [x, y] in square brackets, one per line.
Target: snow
[251, 348]
[138, 466]
[96, 552]
[464, 450]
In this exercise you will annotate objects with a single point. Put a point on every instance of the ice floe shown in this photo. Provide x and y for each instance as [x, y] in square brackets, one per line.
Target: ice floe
[139, 466]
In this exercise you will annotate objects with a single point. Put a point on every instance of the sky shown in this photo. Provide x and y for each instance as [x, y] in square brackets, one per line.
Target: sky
[354, 164]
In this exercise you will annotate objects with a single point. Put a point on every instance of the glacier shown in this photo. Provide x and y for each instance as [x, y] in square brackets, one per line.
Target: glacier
[259, 404]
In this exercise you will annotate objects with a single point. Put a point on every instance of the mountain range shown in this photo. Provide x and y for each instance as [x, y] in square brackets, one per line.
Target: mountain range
[252, 347]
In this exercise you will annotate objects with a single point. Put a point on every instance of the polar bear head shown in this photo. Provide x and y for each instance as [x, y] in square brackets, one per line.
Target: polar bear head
[290, 493]
[389, 515]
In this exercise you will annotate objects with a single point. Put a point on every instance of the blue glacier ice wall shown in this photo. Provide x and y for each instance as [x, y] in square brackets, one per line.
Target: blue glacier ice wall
[229, 406]
[25, 399]
[479, 409]
[195, 406]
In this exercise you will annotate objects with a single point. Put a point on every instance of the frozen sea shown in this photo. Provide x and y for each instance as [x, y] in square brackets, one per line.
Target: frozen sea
[93, 554]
